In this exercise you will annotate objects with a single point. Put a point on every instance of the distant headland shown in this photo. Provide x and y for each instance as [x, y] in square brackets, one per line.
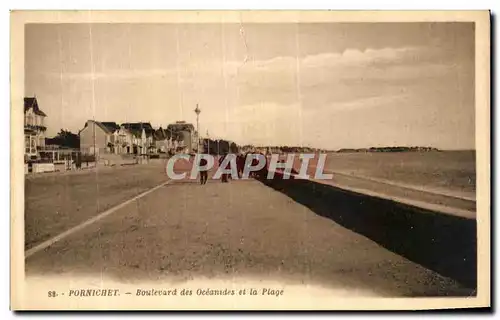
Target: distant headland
[391, 149]
[295, 149]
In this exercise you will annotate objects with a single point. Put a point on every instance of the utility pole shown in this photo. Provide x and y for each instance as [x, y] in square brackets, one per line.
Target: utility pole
[197, 111]
[208, 143]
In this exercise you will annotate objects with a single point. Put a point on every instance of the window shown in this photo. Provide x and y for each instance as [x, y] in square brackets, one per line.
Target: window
[29, 120]
[33, 144]
[30, 143]
[27, 144]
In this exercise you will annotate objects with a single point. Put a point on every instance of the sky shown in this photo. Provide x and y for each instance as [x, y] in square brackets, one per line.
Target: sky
[325, 85]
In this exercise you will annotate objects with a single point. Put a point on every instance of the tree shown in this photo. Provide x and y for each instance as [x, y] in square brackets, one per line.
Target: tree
[65, 139]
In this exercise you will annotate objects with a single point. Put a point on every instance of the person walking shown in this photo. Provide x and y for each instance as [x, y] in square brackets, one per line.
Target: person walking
[203, 172]
[240, 164]
[78, 161]
[224, 177]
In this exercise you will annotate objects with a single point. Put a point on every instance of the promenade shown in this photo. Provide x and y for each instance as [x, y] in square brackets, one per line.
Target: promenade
[133, 224]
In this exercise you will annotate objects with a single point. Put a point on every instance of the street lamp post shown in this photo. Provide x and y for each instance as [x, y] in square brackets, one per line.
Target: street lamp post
[93, 132]
[197, 111]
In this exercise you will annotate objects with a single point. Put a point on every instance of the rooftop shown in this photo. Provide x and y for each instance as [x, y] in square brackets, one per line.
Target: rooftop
[31, 102]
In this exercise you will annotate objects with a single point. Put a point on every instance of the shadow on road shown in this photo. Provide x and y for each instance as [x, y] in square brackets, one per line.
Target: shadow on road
[443, 243]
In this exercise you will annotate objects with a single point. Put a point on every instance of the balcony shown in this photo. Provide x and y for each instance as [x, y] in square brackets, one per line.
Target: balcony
[35, 127]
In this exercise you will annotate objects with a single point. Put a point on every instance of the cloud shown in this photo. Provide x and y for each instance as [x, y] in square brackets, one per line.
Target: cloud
[351, 79]
[347, 58]
[116, 74]
[356, 57]
[344, 75]
[285, 71]
[364, 103]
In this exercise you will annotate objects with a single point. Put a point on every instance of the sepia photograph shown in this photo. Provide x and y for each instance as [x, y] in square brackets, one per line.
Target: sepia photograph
[250, 160]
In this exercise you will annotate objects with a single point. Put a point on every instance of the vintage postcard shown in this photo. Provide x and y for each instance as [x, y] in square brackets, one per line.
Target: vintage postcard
[250, 160]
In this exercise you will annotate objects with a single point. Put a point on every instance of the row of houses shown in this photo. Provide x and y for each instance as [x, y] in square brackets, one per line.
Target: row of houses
[99, 138]
[139, 138]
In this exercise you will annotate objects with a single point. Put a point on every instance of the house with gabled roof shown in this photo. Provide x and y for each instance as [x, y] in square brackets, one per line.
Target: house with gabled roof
[100, 137]
[165, 140]
[95, 138]
[34, 127]
[123, 141]
[185, 135]
[111, 126]
[142, 137]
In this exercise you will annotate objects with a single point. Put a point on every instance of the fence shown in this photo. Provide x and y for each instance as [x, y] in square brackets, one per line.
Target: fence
[54, 159]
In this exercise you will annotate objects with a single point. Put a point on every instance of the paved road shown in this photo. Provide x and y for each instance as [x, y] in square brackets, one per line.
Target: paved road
[57, 202]
[242, 229]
